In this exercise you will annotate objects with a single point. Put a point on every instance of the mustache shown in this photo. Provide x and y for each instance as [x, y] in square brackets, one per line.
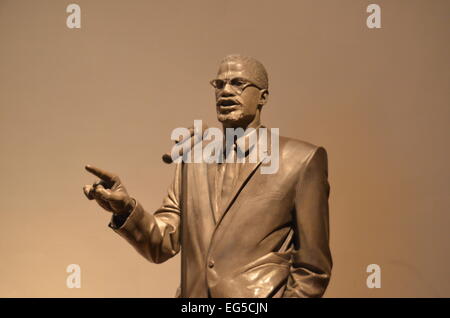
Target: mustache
[228, 101]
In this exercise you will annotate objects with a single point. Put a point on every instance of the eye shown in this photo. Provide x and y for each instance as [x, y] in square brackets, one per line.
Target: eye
[238, 82]
[219, 84]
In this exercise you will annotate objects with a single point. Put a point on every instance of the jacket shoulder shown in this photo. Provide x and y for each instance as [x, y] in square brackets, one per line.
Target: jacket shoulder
[298, 150]
[297, 154]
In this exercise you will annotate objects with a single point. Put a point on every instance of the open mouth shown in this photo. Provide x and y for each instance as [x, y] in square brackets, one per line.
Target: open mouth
[227, 102]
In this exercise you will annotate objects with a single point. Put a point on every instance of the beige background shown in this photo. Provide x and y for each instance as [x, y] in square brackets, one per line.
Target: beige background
[110, 93]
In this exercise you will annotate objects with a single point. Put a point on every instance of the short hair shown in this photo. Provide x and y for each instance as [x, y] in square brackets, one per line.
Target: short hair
[258, 71]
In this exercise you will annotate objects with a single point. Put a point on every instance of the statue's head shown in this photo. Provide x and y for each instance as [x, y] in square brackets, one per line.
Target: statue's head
[241, 89]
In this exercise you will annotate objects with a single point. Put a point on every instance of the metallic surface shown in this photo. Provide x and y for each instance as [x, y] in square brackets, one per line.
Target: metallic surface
[269, 234]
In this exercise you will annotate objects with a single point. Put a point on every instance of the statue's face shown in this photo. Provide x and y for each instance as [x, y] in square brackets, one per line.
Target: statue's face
[237, 98]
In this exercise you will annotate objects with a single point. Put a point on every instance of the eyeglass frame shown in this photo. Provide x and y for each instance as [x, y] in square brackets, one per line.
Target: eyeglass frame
[228, 81]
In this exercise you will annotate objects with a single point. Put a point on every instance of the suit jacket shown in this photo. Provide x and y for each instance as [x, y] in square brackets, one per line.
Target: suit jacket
[271, 239]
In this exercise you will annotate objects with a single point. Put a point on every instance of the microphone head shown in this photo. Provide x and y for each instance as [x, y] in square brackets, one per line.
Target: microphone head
[167, 158]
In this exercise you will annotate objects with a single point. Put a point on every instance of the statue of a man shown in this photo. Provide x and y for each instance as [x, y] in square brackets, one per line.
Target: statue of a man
[241, 233]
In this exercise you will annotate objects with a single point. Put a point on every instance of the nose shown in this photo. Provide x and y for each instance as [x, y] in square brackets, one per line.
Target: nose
[227, 91]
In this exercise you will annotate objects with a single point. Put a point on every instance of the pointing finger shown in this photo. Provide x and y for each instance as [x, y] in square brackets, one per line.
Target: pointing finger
[102, 174]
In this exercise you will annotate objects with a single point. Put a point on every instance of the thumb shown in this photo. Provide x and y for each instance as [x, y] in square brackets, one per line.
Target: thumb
[102, 193]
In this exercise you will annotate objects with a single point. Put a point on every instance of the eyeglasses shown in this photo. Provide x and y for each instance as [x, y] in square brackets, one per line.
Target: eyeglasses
[237, 83]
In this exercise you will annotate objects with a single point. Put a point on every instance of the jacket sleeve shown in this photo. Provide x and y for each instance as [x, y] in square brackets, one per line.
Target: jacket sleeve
[312, 262]
[155, 236]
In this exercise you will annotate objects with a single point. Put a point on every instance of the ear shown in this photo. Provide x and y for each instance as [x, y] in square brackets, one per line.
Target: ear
[263, 97]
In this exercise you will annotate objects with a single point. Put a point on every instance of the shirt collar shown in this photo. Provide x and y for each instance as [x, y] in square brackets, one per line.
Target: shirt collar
[243, 143]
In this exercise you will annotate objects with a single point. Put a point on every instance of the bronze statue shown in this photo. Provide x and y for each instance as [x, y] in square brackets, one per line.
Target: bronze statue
[241, 233]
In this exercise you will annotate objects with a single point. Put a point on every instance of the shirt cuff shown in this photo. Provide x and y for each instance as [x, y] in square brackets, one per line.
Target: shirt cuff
[117, 221]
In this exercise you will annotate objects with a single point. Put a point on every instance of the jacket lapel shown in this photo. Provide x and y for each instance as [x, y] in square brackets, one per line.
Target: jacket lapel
[211, 171]
[247, 170]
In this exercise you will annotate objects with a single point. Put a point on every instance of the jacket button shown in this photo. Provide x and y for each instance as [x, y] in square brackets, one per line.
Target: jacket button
[211, 264]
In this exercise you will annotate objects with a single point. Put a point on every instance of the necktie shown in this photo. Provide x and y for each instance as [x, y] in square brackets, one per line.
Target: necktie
[227, 176]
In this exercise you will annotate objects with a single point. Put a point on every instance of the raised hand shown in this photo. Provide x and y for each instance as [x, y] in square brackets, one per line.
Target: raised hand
[109, 192]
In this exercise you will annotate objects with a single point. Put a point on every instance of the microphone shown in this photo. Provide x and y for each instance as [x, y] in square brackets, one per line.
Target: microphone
[194, 138]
